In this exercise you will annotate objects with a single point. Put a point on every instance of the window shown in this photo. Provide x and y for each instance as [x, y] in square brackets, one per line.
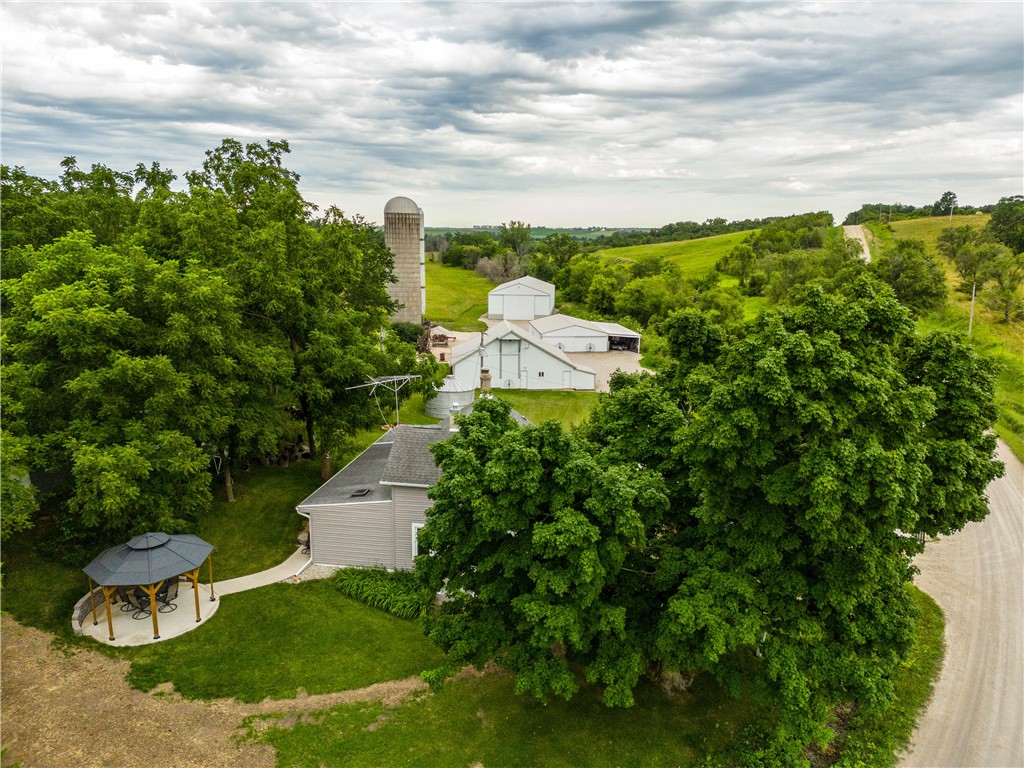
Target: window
[415, 538]
[540, 374]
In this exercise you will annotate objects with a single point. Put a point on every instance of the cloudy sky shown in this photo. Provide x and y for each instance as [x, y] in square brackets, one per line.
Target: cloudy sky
[576, 114]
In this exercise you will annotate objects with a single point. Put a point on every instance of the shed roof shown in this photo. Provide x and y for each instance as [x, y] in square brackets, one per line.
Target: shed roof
[411, 462]
[553, 323]
[362, 473]
[528, 282]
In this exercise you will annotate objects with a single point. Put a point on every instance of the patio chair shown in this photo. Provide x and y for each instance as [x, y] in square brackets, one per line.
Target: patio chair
[140, 601]
[166, 596]
[126, 604]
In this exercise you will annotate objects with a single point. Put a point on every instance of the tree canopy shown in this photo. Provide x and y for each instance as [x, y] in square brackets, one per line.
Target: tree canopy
[150, 335]
[746, 520]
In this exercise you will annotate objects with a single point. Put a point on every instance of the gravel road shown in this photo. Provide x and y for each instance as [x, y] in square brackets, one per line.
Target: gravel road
[976, 716]
[856, 232]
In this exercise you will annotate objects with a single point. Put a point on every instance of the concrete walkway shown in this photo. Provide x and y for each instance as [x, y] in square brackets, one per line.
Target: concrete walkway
[285, 570]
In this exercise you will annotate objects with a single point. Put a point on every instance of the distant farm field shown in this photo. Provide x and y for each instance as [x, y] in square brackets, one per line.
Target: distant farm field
[456, 297]
[695, 258]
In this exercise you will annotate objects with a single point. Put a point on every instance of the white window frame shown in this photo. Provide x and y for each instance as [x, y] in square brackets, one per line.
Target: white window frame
[415, 543]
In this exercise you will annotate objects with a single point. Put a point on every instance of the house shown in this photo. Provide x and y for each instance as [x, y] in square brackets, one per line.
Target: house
[571, 334]
[369, 513]
[523, 299]
[515, 359]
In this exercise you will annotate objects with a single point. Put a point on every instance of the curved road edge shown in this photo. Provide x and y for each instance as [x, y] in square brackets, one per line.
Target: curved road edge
[975, 716]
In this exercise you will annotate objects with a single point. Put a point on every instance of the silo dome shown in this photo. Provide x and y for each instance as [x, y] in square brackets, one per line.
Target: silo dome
[449, 393]
[401, 205]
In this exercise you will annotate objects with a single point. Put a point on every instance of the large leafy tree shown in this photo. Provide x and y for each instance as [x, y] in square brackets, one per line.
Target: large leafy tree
[1006, 224]
[529, 536]
[912, 273]
[791, 461]
[123, 370]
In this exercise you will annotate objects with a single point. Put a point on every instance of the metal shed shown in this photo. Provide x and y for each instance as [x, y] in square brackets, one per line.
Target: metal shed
[451, 393]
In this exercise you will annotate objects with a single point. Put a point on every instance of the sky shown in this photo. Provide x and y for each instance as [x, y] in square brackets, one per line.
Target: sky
[629, 114]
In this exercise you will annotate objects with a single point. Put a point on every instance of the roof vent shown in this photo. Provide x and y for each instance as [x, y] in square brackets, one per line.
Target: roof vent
[361, 492]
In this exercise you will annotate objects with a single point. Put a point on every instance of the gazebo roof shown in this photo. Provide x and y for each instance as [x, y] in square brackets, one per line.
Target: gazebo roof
[148, 559]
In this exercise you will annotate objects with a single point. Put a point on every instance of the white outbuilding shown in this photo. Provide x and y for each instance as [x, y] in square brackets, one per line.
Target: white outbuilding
[521, 299]
[515, 359]
[573, 334]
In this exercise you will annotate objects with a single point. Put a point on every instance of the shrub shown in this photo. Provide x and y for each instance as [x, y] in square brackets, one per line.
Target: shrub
[396, 592]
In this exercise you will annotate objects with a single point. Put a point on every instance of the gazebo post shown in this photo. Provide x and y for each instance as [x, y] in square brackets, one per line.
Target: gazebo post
[92, 599]
[151, 590]
[107, 591]
[209, 559]
[194, 575]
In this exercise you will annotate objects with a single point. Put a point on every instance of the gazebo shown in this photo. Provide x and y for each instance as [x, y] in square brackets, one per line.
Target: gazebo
[148, 562]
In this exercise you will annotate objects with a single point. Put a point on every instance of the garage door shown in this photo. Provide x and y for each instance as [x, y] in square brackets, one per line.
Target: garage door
[519, 308]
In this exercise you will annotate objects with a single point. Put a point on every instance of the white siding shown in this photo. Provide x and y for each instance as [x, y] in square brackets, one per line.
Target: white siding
[353, 534]
[410, 506]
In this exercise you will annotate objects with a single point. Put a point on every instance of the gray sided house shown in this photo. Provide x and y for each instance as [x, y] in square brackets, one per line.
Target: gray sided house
[368, 514]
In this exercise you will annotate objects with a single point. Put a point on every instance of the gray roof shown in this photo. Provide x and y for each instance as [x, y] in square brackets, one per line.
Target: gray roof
[411, 462]
[363, 473]
[401, 205]
[148, 559]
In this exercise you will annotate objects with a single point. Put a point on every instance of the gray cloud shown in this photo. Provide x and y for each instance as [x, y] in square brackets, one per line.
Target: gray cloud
[587, 111]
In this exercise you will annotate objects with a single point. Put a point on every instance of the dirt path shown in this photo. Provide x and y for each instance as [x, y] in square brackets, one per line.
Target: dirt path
[858, 233]
[977, 577]
[76, 709]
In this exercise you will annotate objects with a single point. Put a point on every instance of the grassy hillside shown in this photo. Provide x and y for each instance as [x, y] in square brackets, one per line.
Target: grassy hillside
[456, 297]
[1004, 343]
[694, 257]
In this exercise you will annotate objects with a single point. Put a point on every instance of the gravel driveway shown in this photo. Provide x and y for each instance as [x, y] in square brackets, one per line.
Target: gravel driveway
[976, 716]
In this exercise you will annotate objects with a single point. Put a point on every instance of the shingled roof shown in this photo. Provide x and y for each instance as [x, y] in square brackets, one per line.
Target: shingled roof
[411, 462]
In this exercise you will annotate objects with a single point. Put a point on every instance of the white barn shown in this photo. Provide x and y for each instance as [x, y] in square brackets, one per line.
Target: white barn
[572, 334]
[522, 299]
[516, 359]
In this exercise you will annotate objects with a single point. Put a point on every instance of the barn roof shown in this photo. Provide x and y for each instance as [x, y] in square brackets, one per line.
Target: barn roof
[528, 282]
[504, 330]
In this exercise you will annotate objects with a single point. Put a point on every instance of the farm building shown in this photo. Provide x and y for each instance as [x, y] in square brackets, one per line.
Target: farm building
[522, 299]
[403, 234]
[571, 334]
[515, 359]
[369, 513]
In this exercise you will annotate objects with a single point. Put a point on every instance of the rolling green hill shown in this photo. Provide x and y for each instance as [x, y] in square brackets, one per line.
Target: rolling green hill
[456, 297]
[694, 257]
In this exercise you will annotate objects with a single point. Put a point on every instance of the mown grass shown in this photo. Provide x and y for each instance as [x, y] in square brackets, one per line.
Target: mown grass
[695, 258]
[569, 408]
[480, 721]
[272, 641]
[456, 297]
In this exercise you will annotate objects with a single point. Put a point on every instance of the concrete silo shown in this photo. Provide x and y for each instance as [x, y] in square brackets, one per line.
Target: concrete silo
[403, 234]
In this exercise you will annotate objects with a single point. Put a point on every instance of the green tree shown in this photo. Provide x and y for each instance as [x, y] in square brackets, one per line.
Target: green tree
[515, 236]
[1006, 273]
[912, 273]
[17, 495]
[1006, 225]
[796, 455]
[946, 203]
[528, 535]
[123, 370]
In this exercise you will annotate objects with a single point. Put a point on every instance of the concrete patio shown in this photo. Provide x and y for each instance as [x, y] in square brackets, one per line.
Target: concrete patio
[130, 631]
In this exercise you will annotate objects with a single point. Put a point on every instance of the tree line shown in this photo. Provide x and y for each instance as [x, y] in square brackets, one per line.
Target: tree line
[156, 338]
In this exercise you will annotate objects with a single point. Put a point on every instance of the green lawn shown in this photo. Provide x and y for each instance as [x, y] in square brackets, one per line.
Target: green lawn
[695, 258]
[480, 721]
[567, 407]
[271, 641]
[456, 297]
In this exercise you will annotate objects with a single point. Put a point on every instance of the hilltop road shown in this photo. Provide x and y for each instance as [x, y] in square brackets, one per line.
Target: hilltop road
[857, 232]
[977, 577]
